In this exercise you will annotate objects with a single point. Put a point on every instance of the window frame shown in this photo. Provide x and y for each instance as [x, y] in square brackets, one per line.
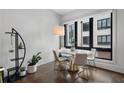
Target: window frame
[103, 27]
[103, 43]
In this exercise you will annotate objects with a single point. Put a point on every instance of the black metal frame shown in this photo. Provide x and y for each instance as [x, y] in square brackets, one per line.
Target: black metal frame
[16, 59]
[65, 36]
[90, 36]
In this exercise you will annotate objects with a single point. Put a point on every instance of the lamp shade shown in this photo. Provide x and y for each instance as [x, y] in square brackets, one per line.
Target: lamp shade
[58, 30]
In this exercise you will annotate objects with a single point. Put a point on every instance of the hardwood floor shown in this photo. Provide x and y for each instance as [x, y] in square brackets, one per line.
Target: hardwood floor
[46, 74]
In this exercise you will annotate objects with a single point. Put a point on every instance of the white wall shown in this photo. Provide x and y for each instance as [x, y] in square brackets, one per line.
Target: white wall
[120, 37]
[117, 64]
[35, 26]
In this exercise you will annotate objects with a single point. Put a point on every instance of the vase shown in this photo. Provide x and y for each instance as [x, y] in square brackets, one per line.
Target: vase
[32, 69]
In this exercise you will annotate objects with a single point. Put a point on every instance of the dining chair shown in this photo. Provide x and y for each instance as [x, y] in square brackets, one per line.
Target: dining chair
[91, 57]
[62, 62]
[81, 61]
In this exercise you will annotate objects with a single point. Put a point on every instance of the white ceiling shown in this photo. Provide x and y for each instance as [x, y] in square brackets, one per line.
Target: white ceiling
[62, 11]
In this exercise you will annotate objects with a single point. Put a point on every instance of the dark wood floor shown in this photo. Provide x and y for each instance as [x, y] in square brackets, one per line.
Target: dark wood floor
[46, 74]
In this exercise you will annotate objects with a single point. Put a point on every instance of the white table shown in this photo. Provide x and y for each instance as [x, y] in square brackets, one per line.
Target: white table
[73, 53]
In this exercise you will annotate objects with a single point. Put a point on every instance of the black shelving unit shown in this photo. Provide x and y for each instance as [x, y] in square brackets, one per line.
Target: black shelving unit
[18, 60]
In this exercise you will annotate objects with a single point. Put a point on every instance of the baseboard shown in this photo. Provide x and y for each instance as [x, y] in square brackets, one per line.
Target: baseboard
[45, 62]
[112, 67]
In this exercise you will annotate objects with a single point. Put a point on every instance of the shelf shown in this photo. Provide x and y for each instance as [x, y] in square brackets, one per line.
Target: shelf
[11, 69]
[16, 59]
[10, 33]
[21, 48]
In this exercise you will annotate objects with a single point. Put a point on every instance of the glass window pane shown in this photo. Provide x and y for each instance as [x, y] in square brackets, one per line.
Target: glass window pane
[103, 39]
[99, 23]
[71, 35]
[109, 38]
[86, 26]
[108, 22]
[104, 23]
[86, 40]
[99, 39]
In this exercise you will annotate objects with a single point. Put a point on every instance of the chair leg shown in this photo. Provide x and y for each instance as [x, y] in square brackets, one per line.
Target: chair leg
[94, 63]
[84, 72]
[88, 62]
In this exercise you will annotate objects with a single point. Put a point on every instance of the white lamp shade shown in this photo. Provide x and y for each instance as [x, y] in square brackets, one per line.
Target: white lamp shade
[58, 31]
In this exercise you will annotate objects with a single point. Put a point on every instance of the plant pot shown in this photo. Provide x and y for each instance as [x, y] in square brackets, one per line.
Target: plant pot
[22, 73]
[32, 69]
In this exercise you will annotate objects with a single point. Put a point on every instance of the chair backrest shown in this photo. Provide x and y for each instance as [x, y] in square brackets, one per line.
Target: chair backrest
[93, 51]
[55, 55]
[80, 59]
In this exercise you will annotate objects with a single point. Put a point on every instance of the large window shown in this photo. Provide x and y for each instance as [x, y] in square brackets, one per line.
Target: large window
[70, 35]
[85, 34]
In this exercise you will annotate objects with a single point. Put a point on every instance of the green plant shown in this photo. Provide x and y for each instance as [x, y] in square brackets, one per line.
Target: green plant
[35, 59]
[22, 69]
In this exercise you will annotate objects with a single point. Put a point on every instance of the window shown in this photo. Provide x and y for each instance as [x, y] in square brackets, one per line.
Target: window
[108, 22]
[85, 35]
[99, 24]
[109, 39]
[103, 23]
[86, 26]
[104, 40]
[69, 35]
[86, 40]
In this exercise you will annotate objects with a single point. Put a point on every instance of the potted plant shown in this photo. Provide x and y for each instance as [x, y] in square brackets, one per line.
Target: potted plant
[32, 66]
[22, 71]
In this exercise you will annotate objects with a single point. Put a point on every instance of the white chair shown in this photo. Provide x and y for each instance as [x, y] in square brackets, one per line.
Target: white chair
[91, 57]
[81, 62]
[62, 62]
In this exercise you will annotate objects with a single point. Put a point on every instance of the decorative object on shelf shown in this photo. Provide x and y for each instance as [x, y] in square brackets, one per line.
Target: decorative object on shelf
[20, 46]
[22, 71]
[32, 66]
[18, 60]
[11, 51]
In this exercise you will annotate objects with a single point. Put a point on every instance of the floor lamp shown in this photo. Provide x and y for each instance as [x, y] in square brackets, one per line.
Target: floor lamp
[59, 31]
